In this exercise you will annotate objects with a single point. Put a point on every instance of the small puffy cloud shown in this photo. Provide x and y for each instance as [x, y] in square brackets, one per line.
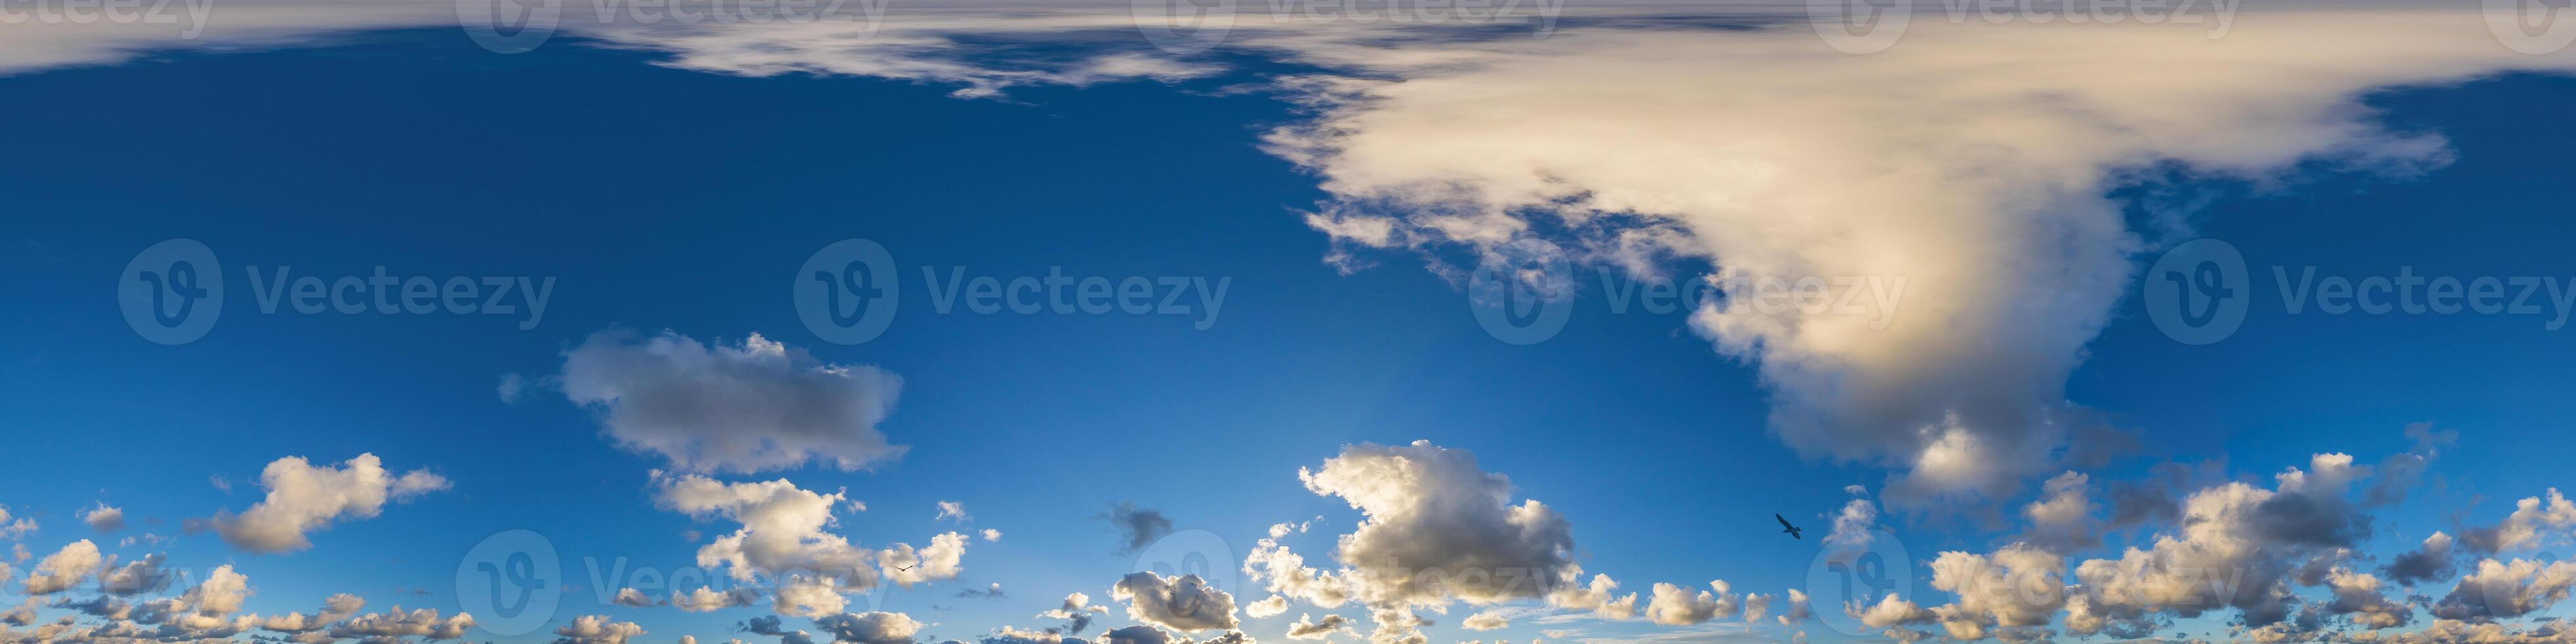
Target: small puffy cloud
[1137, 527]
[1676, 606]
[103, 518]
[951, 510]
[992, 534]
[942, 559]
[1852, 525]
[706, 599]
[1077, 611]
[14, 528]
[1138, 634]
[1184, 603]
[870, 628]
[1267, 608]
[1491, 620]
[303, 497]
[633, 597]
[65, 568]
[782, 534]
[2427, 562]
[144, 575]
[757, 406]
[597, 629]
[511, 386]
[1308, 628]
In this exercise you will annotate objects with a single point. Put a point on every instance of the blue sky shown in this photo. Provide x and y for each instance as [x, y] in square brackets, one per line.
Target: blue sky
[661, 198]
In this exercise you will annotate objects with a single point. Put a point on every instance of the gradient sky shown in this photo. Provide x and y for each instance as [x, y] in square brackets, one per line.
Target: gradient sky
[664, 197]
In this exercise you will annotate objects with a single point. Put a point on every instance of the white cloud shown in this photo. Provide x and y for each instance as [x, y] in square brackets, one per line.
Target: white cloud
[1975, 164]
[303, 498]
[1677, 606]
[783, 533]
[2533, 523]
[597, 629]
[757, 406]
[942, 559]
[870, 628]
[14, 528]
[992, 534]
[103, 518]
[65, 568]
[706, 599]
[951, 510]
[1274, 606]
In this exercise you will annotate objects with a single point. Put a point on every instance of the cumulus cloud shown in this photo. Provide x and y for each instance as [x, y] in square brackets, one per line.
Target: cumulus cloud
[303, 498]
[992, 534]
[1184, 603]
[103, 518]
[1852, 525]
[1436, 529]
[2534, 521]
[1266, 608]
[597, 629]
[759, 405]
[14, 528]
[1308, 628]
[942, 559]
[707, 599]
[951, 510]
[870, 628]
[1677, 606]
[1750, 150]
[783, 534]
[2507, 589]
[2427, 562]
[1077, 612]
[64, 569]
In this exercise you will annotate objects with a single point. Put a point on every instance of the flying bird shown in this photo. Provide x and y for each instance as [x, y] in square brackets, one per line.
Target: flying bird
[904, 569]
[1785, 527]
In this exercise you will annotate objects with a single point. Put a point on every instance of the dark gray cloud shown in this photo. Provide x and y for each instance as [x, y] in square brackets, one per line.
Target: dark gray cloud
[1137, 527]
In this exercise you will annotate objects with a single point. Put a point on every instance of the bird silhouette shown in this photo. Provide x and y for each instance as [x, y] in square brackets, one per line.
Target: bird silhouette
[904, 569]
[1785, 527]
